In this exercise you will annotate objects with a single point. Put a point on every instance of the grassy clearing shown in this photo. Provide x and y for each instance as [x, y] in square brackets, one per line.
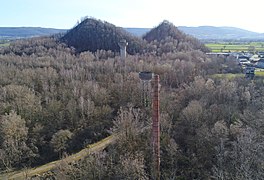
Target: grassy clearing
[4, 44]
[235, 47]
[259, 73]
[227, 76]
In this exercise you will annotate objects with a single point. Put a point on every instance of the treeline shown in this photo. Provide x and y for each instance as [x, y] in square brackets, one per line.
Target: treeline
[54, 101]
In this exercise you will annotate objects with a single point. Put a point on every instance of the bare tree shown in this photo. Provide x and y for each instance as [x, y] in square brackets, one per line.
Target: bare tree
[60, 140]
[13, 137]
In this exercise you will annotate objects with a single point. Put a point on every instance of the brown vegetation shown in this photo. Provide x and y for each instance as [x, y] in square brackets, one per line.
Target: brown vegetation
[211, 128]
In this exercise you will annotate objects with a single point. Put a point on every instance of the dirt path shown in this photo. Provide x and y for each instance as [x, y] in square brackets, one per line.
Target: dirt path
[75, 157]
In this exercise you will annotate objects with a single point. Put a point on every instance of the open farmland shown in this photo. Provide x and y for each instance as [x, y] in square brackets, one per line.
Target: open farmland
[4, 44]
[236, 47]
[259, 73]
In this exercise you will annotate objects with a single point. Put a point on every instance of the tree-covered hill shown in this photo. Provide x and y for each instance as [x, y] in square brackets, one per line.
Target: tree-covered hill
[162, 31]
[92, 35]
[167, 34]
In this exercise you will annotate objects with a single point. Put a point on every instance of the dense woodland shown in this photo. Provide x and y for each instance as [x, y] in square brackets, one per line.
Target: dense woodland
[55, 100]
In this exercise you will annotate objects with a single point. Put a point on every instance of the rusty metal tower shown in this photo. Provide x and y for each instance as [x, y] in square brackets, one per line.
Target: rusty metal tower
[147, 76]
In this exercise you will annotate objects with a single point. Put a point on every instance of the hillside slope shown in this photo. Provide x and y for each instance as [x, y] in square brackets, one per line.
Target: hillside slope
[208, 32]
[172, 39]
[211, 32]
[93, 35]
[25, 32]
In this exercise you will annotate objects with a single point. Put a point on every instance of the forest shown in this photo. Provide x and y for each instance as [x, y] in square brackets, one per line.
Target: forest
[56, 97]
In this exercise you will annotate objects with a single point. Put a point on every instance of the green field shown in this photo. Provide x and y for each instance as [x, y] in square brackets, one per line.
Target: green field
[4, 44]
[258, 73]
[236, 47]
[227, 76]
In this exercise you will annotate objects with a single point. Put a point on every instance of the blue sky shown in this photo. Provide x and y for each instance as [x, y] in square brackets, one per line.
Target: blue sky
[133, 13]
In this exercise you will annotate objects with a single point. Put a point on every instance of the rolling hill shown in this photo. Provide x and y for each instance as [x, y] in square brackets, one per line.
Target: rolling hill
[93, 35]
[26, 32]
[209, 32]
[200, 32]
[173, 39]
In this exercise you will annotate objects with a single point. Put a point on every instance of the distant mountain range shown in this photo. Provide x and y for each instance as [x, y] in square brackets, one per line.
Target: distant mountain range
[201, 32]
[26, 32]
[209, 32]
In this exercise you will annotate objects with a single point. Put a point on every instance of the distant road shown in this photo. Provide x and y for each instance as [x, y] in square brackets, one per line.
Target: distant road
[96, 147]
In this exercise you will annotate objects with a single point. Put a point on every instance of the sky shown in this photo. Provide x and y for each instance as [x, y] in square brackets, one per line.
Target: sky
[64, 14]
